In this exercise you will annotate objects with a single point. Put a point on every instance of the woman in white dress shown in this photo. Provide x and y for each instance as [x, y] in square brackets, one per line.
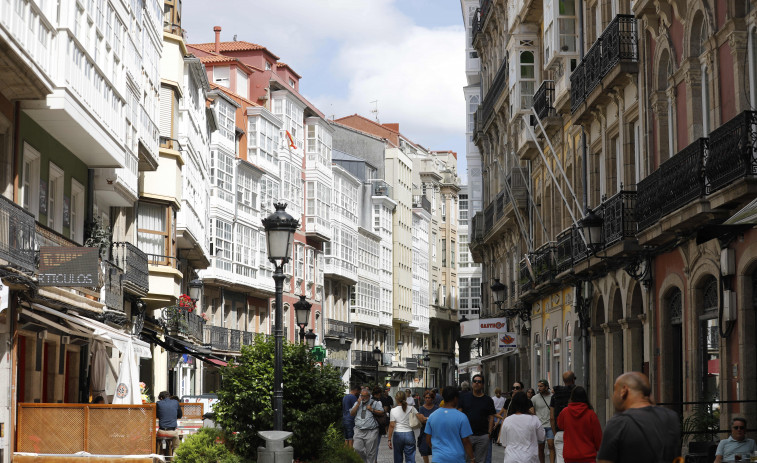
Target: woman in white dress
[521, 432]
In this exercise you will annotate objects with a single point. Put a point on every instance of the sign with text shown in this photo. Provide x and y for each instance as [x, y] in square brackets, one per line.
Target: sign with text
[483, 326]
[507, 341]
[68, 266]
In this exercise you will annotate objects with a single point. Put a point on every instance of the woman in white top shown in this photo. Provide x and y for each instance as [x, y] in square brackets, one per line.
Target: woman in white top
[400, 435]
[521, 432]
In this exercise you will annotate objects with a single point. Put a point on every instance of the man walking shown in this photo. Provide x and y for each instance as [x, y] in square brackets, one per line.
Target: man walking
[541, 406]
[479, 408]
[559, 401]
[448, 431]
[736, 444]
[348, 421]
[640, 431]
[366, 427]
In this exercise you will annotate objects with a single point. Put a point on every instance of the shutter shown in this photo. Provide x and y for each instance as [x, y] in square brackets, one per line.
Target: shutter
[166, 111]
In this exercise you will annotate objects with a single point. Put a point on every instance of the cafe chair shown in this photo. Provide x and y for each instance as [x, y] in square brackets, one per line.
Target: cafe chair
[165, 446]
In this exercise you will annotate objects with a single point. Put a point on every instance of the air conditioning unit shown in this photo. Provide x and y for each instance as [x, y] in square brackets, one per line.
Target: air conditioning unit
[65, 339]
[730, 309]
[727, 261]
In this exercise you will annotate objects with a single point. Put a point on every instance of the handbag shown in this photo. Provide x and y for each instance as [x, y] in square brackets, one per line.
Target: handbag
[415, 423]
[495, 432]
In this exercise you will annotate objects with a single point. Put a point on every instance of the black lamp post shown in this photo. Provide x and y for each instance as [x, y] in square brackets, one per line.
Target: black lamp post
[498, 292]
[591, 228]
[279, 230]
[310, 338]
[302, 314]
[426, 360]
[195, 289]
[377, 357]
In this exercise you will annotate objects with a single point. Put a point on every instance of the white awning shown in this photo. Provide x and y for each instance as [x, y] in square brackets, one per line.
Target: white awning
[97, 330]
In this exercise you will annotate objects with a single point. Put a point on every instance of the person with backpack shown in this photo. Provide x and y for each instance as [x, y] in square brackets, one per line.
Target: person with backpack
[366, 434]
[400, 434]
[583, 434]
[560, 399]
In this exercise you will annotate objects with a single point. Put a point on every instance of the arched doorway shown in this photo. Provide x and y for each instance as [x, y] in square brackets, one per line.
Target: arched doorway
[635, 354]
[672, 348]
[709, 336]
[616, 335]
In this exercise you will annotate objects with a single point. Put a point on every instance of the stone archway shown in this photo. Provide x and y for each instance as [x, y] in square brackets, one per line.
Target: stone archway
[635, 329]
[615, 337]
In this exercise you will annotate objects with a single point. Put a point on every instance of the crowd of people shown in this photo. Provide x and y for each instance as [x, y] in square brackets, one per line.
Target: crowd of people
[461, 424]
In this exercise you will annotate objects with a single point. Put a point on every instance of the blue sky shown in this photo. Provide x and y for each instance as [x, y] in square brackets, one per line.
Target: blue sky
[409, 55]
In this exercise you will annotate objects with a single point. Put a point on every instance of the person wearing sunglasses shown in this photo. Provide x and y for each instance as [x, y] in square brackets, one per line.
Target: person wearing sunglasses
[737, 445]
[479, 408]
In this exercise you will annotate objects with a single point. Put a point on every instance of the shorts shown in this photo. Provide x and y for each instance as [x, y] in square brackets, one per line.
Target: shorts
[548, 435]
[349, 430]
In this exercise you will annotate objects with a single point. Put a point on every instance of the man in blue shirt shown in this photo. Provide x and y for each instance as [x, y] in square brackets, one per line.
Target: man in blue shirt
[348, 421]
[168, 411]
[448, 431]
[736, 444]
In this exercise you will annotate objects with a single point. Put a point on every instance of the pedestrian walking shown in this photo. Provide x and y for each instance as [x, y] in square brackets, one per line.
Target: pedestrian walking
[521, 432]
[383, 420]
[583, 434]
[410, 399]
[560, 399]
[448, 431]
[499, 403]
[541, 408]
[437, 397]
[479, 408]
[530, 393]
[400, 434]
[366, 427]
[424, 411]
[640, 431]
[348, 421]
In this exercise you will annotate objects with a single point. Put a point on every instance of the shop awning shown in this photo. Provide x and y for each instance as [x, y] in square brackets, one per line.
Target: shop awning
[179, 346]
[78, 325]
[220, 363]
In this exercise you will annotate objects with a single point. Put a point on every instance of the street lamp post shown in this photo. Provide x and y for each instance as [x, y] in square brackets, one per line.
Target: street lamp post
[302, 314]
[279, 229]
[426, 360]
[377, 357]
[310, 338]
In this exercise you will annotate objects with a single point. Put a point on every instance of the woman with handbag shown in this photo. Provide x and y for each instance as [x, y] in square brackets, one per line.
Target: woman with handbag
[424, 411]
[400, 434]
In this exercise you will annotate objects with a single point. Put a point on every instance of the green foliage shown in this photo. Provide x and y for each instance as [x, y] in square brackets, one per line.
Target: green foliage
[207, 446]
[704, 421]
[334, 449]
[312, 398]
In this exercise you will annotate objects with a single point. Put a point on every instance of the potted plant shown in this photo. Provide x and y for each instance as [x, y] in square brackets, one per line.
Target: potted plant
[701, 428]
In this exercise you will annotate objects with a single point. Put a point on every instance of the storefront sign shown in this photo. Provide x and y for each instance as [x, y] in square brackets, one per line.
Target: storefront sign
[491, 326]
[68, 266]
[507, 341]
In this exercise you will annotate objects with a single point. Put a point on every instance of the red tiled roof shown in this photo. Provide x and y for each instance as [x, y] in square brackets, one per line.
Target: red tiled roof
[217, 59]
[285, 65]
[233, 94]
[231, 46]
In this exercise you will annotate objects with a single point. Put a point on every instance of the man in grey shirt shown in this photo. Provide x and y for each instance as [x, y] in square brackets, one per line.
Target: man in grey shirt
[366, 427]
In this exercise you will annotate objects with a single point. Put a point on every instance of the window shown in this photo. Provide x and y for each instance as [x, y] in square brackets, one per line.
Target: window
[226, 121]
[153, 228]
[444, 252]
[267, 66]
[245, 251]
[292, 116]
[30, 180]
[221, 75]
[463, 210]
[245, 192]
[55, 198]
[222, 244]
[298, 260]
[222, 174]
[452, 254]
[291, 83]
[319, 145]
[527, 79]
[262, 139]
[242, 86]
[76, 217]
[291, 186]
[309, 265]
[475, 293]
[269, 193]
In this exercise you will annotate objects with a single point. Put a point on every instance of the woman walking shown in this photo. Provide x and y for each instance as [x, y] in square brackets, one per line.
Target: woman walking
[424, 412]
[521, 431]
[400, 435]
[582, 432]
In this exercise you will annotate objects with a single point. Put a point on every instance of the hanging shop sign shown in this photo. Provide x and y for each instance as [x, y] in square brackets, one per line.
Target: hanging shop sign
[507, 341]
[490, 326]
[68, 266]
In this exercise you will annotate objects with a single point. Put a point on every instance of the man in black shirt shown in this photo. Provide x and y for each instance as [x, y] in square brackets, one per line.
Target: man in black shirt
[640, 431]
[559, 401]
[479, 408]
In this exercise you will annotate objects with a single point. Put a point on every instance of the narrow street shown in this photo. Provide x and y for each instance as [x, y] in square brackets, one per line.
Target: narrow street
[385, 454]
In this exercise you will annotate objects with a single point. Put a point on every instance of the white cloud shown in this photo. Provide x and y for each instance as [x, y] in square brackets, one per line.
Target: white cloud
[352, 52]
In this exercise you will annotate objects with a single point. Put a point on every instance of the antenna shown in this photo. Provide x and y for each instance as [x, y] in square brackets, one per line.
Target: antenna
[374, 111]
[235, 37]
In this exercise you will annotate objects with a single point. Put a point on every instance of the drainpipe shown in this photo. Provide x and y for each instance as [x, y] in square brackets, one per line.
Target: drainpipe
[90, 200]
[585, 167]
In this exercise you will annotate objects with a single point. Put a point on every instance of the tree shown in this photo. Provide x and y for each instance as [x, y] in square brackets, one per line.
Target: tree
[312, 398]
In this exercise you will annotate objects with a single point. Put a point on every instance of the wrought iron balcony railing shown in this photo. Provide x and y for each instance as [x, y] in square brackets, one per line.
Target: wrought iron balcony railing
[235, 340]
[489, 218]
[134, 263]
[477, 224]
[479, 17]
[421, 201]
[618, 42]
[217, 337]
[168, 261]
[498, 85]
[733, 151]
[337, 328]
[113, 287]
[177, 320]
[17, 235]
[580, 252]
[195, 325]
[542, 263]
[502, 200]
[544, 99]
[648, 200]
[363, 358]
[619, 214]
[247, 338]
[411, 363]
[564, 251]
[525, 278]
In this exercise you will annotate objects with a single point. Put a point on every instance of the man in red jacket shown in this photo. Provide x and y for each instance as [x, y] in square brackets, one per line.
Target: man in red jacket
[583, 434]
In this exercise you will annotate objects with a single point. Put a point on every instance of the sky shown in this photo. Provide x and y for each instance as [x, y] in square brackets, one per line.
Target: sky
[405, 58]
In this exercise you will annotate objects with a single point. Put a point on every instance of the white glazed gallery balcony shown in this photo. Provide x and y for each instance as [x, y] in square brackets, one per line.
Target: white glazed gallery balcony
[336, 267]
[364, 316]
[116, 186]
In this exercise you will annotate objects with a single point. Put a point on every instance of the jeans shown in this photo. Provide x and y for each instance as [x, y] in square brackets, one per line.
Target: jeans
[489, 455]
[558, 447]
[404, 443]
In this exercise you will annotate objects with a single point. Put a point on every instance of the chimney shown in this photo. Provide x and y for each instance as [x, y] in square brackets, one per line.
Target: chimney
[217, 30]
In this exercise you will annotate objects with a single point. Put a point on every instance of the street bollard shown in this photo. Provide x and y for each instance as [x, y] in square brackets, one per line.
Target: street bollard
[274, 450]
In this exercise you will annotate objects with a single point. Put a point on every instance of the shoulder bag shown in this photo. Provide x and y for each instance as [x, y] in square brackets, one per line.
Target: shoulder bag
[415, 423]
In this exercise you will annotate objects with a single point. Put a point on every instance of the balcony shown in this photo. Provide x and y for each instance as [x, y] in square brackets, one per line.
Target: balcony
[338, 329]
[381, 188]
[195, 324]
[544, 100]
[149, 141]
[17, 236]
[543, 265]
[134, 264]
[564, 251]
[113, 287]
[479, 18]
[363, 358]
[614, 54]
[678, 181]
[732, 156]
[492, 96]
[235, 340]
[217, 337]
[341, 269]
[118, 186]
[526, 148]
[619, 218]
[317, 227]
[411, 363]
[421, 202]
[525, 281]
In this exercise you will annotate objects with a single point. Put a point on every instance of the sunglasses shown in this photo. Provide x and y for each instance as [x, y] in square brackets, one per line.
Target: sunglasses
[517, 388]
[477, 381]
[739, 428]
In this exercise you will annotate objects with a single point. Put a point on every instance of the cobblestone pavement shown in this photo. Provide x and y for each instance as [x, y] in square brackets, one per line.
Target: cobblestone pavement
[385, 455]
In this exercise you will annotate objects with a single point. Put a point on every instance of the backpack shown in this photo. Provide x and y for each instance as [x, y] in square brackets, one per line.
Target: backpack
[382, 420]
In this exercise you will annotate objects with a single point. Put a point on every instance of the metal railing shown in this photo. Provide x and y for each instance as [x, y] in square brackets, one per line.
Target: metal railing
[479, 18]
[195, 325]
[498, 85]
[619, 217]
[17, 235]
[134, 263]
[477, 226]
[733, 151]
[217, 337]
[337, 328]
[502, 200]
[421, 201]
[363, 358]
[411, 363]
[177, 320]
[381, 188]
[525, 281]
[618, 42]
[542, 263]
[648, 201]
[544, 99]
[167, 261]
[564, 251]
[235, 340]
[170, 143]
[113, 287]
[489, 218]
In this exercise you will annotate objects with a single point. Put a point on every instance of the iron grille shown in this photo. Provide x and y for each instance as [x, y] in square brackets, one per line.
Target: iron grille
[113, 287]
[502, 200]
[17, 235]
[195, 324]
[733, 151]
[488, 218]
[564, 251]
[648, 200]
[411, 363]
[134, 264]
[619, 218]
[363, 358]
[580, 251]
[235, 340]
[336, 328]
[541, 261]
[525, 278]
[682, 177]
[218, 337]
[544, 99]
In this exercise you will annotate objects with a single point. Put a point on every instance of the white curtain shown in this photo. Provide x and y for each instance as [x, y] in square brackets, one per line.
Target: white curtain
[152, 217]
